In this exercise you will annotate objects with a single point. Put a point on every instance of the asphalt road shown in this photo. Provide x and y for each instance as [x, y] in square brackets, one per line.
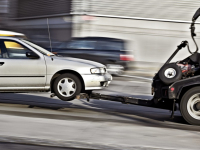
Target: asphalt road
[132, 87]
[97, 121]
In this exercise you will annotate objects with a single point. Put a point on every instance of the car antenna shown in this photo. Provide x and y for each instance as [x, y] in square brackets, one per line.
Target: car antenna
[49, 36]
[49, 33]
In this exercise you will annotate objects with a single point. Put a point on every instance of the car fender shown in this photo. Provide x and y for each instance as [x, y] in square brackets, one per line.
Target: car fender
[176, 88]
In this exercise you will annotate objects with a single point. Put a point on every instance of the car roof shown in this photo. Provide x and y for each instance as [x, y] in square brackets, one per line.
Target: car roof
[10, 33]
[8, 38]
[97, 38]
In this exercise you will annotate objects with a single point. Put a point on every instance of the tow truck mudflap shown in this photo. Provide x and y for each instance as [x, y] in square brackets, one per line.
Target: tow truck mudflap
[164, 104]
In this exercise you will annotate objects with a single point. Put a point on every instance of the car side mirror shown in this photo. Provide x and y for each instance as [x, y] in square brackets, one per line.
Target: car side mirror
[196, 15]
[32, 55]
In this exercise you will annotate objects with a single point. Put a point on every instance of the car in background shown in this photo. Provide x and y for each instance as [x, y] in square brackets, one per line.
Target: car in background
[43, 41]
[108, 51]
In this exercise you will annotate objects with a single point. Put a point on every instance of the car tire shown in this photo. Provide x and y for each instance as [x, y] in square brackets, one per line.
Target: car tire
[67, 86]
[170, 73]
[188, 107]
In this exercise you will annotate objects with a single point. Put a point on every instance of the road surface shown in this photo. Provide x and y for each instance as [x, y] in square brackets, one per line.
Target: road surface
[96, 124]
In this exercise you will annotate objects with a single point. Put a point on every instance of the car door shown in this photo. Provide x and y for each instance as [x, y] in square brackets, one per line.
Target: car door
[17, 70]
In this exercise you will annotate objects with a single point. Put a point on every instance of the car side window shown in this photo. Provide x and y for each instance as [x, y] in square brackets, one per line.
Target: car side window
[110, 45]
[81, 44]
[16, 50]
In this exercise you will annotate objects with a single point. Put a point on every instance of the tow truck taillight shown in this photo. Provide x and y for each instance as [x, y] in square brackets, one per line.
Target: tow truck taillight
[172, 89]
[126, 57]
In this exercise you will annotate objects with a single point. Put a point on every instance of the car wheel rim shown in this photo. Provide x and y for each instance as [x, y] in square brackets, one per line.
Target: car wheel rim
[191, 106]
[66, 87]
[170, 73]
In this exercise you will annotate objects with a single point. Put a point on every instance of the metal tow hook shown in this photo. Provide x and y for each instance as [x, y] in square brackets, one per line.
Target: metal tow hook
[88, 98]
[52, 95]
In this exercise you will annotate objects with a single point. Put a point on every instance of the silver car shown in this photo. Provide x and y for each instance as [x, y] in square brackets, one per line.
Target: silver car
[25, 66]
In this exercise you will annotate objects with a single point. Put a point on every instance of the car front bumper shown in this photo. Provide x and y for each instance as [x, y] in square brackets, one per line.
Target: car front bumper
[96, 81]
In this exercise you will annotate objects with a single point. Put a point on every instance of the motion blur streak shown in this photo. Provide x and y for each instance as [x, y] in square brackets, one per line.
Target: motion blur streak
[150, 42]
[132, 38]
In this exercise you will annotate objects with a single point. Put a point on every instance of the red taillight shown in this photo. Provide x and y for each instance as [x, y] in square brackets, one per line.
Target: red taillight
[172, 89]
[126, 57]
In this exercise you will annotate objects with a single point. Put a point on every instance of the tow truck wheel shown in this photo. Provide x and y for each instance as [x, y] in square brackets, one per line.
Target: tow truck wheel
[170, 73]
[190, 106]
[67, 86]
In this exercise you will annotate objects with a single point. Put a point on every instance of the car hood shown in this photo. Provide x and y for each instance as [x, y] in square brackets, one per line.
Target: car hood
[82, 61]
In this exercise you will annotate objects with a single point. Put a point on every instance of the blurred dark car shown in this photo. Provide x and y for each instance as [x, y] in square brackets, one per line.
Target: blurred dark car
[108, 51]
[43, 41]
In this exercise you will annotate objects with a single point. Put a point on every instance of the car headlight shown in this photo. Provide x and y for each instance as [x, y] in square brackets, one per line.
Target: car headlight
[98, 70]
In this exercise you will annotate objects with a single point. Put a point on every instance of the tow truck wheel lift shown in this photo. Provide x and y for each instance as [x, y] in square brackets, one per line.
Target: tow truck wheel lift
[174, 83]
[169, 104]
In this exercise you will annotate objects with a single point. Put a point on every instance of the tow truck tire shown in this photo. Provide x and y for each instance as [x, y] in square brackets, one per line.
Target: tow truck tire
[188, 106]
[67, 86]
[170, 73]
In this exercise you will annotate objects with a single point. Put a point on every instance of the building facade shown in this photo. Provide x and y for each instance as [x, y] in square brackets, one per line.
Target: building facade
[153, 28]
[38, 19]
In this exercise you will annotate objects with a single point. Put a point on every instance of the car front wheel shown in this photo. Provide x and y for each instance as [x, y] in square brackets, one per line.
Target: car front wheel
[67, 86]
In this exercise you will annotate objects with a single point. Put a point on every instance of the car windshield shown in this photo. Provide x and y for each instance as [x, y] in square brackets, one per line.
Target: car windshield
[40, 49]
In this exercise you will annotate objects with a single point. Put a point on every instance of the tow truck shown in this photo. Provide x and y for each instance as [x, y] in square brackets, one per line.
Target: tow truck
[175, 83]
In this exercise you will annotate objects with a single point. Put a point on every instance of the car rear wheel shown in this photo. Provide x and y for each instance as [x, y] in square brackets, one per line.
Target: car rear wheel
[190, 106]
[67, 86]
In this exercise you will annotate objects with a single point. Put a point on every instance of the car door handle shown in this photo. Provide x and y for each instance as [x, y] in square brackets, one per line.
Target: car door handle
[1, 63]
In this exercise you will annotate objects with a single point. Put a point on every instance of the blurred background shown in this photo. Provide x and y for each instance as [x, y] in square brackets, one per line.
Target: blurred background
[137, 35]
[131, 37]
